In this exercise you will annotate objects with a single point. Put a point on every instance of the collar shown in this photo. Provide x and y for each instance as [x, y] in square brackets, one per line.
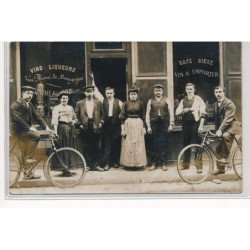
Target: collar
[221, 100]
[158, 98]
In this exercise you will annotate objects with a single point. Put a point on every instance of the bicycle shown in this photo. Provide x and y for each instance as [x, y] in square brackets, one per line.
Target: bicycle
[202, 158]
[58, 160]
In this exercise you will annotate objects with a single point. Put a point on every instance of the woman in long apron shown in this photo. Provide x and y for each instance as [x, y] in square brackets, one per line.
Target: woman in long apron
[133, 152]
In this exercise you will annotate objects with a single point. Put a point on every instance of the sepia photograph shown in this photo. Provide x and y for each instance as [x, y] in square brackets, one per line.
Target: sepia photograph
[96, 118]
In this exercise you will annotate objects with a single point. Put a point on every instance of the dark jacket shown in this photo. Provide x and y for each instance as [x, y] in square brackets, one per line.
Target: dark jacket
[116, 111]
[225, 119]
[21, 117]
[82, 115]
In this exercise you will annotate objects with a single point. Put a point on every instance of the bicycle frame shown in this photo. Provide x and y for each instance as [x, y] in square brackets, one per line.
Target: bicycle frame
[21, 157]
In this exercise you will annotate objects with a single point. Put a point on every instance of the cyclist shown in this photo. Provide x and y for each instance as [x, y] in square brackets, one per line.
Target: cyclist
[226, 125]
[22, 114]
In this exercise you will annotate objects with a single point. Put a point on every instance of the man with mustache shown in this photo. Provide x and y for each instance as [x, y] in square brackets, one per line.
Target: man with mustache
[23, 114]
[159, 120]
[226, 125]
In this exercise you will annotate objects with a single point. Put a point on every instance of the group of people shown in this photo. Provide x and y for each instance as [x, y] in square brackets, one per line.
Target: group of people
[111, 133]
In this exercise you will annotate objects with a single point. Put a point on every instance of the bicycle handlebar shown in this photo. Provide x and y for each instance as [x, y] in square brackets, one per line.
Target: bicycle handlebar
[209, 132]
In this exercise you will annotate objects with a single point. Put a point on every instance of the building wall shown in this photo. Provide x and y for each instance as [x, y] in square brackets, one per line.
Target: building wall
[149, 63]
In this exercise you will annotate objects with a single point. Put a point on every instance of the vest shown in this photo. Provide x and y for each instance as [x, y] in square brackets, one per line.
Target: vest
[159, 108]
[188, 104]
[116, 111]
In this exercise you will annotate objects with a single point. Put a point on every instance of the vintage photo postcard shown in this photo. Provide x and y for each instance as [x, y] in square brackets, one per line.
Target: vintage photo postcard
[125, 118]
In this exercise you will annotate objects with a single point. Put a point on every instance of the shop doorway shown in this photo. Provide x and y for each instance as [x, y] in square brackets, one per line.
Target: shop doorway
[110, 72]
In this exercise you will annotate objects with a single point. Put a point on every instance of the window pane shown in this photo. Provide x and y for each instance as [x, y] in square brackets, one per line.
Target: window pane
[196, 62]
[151, 58]
[108, 45]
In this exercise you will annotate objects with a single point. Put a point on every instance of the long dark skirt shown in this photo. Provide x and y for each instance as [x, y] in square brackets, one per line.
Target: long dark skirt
[67, 138]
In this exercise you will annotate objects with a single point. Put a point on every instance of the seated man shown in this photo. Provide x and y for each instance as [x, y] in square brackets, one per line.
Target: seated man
[22, 113]
[227, 126]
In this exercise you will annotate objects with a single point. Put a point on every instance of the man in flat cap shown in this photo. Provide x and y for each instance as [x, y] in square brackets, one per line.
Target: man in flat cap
[22, 114]
[159, 120]
[90, 115]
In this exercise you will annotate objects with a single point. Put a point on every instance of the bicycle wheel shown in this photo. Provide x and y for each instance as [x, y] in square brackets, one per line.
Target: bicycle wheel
[61, 159]
[237, 161]
[14, 169]
[198, 168]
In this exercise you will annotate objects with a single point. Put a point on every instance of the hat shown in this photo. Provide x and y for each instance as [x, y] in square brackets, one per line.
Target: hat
[27, 88]
[160, 86]
[88, 87]
[133, 89]
[63, 92]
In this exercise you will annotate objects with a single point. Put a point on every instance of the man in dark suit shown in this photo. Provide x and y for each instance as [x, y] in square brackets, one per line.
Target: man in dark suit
[22, 114]
[111, 129]
[90, 115]
[227, 126]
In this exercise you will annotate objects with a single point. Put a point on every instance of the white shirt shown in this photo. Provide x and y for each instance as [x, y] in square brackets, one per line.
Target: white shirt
[219, 102]
[100, 97]
[90, 108]
[111, 105]
[199, 108]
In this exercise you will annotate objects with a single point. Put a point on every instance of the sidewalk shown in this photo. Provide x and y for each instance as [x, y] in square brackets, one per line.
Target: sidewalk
[122, 176]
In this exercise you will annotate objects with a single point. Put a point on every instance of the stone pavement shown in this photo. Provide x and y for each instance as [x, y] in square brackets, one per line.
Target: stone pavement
[110, 180]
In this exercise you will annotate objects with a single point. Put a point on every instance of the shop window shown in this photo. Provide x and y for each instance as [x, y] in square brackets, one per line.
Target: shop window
[196, 62]
[50, 68]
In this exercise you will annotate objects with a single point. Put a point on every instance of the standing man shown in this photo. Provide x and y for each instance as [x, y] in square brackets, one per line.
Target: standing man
[226, 125]
[159, 120]
[111, 128]
[193, 110]
[22, 114]
[90, 115]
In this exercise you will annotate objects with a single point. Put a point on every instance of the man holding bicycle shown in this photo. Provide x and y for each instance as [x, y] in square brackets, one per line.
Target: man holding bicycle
[226, 125]
[22, 114]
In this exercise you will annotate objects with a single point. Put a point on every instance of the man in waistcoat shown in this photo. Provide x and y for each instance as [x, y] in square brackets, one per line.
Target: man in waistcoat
[193, 111]
[159, 120]
[90, 115]
[226, 125]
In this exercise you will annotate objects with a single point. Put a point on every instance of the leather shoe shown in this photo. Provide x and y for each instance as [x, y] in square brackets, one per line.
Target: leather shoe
[66, 173]
[115, 165]
[32, 177]
[30, 161]
[106, 168]
[152, 167]
[184, 167]
[164, 167]
[199, 171]
[222, 161]
[99, 169]
[218, 171]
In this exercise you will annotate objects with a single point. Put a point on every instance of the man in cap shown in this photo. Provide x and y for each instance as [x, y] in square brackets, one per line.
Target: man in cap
[159, 120]
[226, 125]
[90, 115]
[22, 114]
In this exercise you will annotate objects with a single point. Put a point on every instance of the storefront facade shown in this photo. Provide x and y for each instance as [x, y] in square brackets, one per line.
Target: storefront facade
[53, 66]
